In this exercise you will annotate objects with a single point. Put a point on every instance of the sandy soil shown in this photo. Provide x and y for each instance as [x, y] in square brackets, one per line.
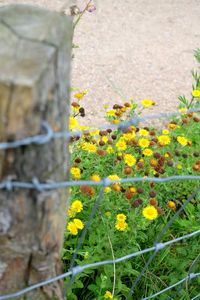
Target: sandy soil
[133, 49]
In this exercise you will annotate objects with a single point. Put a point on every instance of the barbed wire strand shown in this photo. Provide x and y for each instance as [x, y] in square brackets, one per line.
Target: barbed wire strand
[78, 269]
[50, 134]
[35, 184]
[161, 234]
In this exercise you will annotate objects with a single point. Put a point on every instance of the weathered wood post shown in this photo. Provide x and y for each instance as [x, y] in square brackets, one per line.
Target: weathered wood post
[35, 52]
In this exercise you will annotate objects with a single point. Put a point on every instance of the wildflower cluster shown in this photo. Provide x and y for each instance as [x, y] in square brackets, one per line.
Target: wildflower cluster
[76, 224]
[138, 151]
[121, 224]
[131, 214]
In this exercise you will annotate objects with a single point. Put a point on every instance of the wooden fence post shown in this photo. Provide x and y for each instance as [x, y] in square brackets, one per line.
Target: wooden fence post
[35, 54]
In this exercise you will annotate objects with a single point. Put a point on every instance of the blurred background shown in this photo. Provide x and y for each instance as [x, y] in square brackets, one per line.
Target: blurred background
[132, 49]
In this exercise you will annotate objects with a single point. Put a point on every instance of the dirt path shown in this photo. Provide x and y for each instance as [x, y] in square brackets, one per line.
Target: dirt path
[134, 49]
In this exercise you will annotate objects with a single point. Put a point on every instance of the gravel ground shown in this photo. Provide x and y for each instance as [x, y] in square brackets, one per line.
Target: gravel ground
[133, 49]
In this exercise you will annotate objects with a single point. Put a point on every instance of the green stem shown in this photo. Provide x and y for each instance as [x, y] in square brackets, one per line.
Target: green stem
[81, 14]
[190, 103]
[113, 257]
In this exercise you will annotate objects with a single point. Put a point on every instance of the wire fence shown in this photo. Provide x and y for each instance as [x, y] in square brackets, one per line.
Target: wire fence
[158, 245]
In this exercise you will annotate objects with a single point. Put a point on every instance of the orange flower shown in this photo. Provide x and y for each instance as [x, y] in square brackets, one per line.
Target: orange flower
[87, 190]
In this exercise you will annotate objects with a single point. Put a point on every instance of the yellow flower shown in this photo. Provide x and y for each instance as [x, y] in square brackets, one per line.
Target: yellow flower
[110, 113]
[119, 154]
[80, 95]
[121, 145]
[131, 106]
[123, 110]
[182, 140]
[150, 212]
[143, 132]
[196, 93]
[104, 139]
[109, 150]
[107, 189]
[132, 189]
[75, 109]
[171, 205]
[94, 133]
[73, 123]
[147, 103]
[133, 127]
[179, 167]
[83, 128]
[78, 223]
[166, 155]
[95, 177]
[76, 206]
[72, 228]
[70, 213]
[147, 152]
[144, 143]
[121, 225]
[76, 172]
[172, 126]
[128, 136]
[121, 217]
[129, 160]
[183, 110]
[115, 121]
[113, 177]
[116, 187]
[89, 147]
[108, 295]
[164, 140]
[153, 162]
[165, 131]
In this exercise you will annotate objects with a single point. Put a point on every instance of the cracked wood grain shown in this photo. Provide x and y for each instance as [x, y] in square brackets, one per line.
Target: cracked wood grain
[34, 85]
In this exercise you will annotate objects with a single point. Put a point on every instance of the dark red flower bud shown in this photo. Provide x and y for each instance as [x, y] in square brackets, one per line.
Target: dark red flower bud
[177, 153]
[114, 137]
[77, 160]
[160, 211]
[196, 119]
[103, 132]
[135, 204]
[157, 155]
[153, 202]
[128, 195]
[152, 194]
[140, 190]
[101, 143]
[196, 154]
[170, 163]
[127, 104]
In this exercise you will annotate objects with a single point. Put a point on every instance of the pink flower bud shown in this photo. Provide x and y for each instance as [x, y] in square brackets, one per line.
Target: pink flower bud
[91, 8]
